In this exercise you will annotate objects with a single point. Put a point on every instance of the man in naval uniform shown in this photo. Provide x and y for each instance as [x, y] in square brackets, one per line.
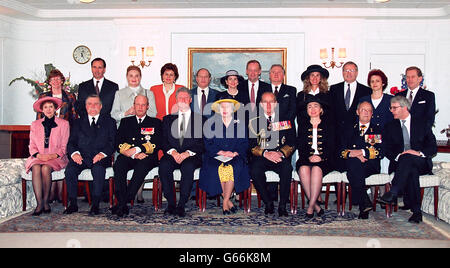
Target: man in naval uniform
[272, 145]
[361, 151]
[138, 140]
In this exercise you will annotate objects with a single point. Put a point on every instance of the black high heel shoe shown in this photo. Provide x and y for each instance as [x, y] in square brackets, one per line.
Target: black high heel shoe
[309, 216]
[321, 212]
[226, 212]
[233, 209]
[37, 213]
[47, 211]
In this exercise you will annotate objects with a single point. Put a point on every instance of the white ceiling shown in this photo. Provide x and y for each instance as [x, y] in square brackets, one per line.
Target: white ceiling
[73, 9]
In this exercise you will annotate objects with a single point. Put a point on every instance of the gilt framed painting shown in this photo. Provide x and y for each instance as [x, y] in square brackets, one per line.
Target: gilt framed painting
[220, 60]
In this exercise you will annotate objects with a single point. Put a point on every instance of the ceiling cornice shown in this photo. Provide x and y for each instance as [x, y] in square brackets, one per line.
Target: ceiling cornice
[31, 13]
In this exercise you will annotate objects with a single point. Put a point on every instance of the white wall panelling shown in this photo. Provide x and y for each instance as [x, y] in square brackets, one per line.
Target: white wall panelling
[28, 45]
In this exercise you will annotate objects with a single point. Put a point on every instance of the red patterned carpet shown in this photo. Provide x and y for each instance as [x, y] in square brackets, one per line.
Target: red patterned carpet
[143, 218]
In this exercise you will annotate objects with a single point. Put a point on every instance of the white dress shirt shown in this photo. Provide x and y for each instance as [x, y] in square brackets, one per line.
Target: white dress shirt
[167, 96]
[353, 86]
[413, 92]
[199, 96]
[187, 117]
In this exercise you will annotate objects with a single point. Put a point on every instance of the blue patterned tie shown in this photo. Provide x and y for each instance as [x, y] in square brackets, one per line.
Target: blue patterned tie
[347, 97]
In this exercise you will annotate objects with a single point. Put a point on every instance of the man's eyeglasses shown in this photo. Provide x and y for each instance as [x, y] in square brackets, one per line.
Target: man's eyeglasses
[393, 108]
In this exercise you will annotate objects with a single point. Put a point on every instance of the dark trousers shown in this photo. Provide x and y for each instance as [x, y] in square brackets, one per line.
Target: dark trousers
[357, 172]
[73, 170]
[126, 192]
[259, 166]
[406, 179]
[187, 167]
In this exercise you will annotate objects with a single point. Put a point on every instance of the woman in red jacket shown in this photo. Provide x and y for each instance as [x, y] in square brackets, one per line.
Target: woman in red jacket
[165, 93]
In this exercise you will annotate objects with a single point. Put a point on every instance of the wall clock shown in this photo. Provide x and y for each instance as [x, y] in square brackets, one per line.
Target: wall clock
[82, 54]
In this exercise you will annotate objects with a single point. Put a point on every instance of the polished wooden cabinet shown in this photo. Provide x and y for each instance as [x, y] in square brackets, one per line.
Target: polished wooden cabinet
[14, 141]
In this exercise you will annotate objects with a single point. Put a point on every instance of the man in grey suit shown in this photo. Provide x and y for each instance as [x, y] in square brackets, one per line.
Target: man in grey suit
[202, 95]
[123, 101]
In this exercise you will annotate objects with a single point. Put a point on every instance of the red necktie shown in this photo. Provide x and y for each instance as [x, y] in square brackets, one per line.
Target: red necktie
[203, 100]
[252, 96]
[276, 91]
[97, 90]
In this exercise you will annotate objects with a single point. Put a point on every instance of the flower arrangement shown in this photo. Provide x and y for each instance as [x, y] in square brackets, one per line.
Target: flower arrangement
[395, 90]
[41, 87]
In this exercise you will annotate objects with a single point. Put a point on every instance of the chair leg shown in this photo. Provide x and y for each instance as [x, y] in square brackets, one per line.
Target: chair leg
[436, 201]
[204, 201]
[291, 199]
[295, 196]
[88, 192]
[64, 194]
[160, 192]
[259, 199]
[387, 188]
[339, 195]
[327, 196]
[344, 193]
[350, 204]
[111, 192]
[375, 197]
[218, 200]
[197, 194]
[155, 193]
[302, 194]
[249, 198]
[24, 194]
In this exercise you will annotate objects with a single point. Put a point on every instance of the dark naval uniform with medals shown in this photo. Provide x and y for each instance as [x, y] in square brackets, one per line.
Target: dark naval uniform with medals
[267, 135]
[146, 137]
[368, 138]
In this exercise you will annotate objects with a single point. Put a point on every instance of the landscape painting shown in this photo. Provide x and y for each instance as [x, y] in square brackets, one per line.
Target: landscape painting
[220, 60]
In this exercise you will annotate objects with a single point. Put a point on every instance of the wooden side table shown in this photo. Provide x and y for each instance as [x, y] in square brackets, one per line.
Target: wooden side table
[443, 146]
[14, 141]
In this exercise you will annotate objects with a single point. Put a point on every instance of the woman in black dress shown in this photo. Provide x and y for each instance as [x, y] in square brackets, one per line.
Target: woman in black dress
[315, 145]
[315, 85]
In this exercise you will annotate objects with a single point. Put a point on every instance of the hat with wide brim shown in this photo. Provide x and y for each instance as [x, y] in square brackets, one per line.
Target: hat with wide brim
[216, 105]
[323, 104]
[315, 68]
[37, 104]
[231, 73]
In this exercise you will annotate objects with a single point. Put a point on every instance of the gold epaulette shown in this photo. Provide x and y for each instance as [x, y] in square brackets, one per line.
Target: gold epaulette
[287, 150]
[257, 151]
[373, 153]
[149, 147]
[123, 147]
[344, 154]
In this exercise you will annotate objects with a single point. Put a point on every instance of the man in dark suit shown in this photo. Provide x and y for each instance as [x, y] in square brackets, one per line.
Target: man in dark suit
[422, 101]
[202, 95]
[409, 145]
[183, 148]
[90, 146]
[287, 101]
[253, 86]
[345, 96]
[272, 143]
[286, 95]
[361, 149]
[98, 85]
[138, 140]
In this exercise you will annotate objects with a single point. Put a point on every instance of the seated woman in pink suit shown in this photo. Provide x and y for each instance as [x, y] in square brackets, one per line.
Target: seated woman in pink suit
[48, 140]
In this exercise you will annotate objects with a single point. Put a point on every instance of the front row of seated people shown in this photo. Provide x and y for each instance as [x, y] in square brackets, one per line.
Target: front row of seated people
[228, 151]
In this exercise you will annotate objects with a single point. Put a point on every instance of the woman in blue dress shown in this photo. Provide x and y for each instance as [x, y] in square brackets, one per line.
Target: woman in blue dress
[380, 101]
[224, 163]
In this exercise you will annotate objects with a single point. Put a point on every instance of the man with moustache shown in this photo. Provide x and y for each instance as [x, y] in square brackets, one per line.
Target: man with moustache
[90, 146]
[138, 140]
[422, 101]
